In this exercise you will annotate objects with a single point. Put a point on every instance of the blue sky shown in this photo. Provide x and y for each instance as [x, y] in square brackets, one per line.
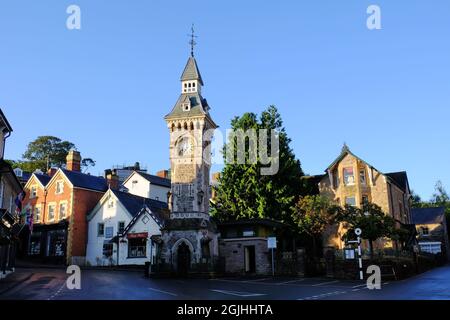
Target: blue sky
[108, 86]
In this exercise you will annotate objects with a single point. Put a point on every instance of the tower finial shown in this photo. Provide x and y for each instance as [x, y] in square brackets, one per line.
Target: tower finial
[192, 42]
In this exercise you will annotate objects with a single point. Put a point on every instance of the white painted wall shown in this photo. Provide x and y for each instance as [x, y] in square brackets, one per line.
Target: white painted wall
[140, 186]
[111, 218]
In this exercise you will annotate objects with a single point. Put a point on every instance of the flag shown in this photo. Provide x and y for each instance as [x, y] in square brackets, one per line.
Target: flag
[18, 201]
[29, 219]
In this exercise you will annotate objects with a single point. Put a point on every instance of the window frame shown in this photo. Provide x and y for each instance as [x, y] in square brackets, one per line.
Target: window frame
[102, 234]
[62, 203]
[346, 177]
[354, 199]
[52, 205]
[59, 188]
[119, 229]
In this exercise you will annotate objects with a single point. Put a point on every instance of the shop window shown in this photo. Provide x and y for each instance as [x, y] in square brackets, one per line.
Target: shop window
[137, 248]
[57, 241]
[349, 178]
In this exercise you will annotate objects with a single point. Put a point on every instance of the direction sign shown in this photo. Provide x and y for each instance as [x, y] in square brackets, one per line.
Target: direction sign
[272, 243]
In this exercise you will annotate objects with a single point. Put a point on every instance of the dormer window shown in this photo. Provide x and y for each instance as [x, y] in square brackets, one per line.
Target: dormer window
[18, 172]
[186, 106]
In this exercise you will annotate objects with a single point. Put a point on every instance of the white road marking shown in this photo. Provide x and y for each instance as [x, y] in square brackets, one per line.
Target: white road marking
[165, 292]
[361, 285]
[257, 280]
[324, 283]
[239, 294]
[288, 282]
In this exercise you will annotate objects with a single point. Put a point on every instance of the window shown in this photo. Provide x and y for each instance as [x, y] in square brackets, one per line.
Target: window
[109, 232]
[121, 227]
[33, 192]
[430, 247]
[425, 231]
[365, 200]
[62, 210]
[248, 233]
[59, 187]
[110, 203]
[191, 190]
[51, 212]
[350, 201]
[145, 220]
[101, 230]
[349, 178]
[362, 176]
[137, 248]
[107, 250]
[18, 172]
[37, 214]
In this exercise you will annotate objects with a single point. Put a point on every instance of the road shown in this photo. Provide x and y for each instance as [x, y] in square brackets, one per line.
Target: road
[50, 284]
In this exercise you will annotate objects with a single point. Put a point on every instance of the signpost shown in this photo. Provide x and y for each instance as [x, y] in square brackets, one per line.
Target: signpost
[358, 233]
[272, 244]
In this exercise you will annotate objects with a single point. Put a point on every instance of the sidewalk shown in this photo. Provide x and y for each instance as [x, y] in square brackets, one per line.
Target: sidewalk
[13, 280]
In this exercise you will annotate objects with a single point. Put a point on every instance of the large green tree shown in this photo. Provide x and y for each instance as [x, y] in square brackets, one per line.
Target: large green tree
[45, 152]
[244, 192]
[313, 214]
[371, 219]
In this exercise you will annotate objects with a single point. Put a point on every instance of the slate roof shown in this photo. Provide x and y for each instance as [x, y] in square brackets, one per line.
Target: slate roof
[199, 106]
[191, 71]
[400, 179]
[156, 180]
[43, 178]
[134, 204]
[428, 215]
[86, 181]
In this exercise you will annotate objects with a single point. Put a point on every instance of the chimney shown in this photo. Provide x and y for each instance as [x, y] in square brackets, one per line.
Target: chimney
[163, 174]
[51, 172]
[112, 178]
[73, 161]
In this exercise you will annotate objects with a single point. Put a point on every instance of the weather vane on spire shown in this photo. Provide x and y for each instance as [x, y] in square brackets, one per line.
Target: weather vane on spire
[192, 42]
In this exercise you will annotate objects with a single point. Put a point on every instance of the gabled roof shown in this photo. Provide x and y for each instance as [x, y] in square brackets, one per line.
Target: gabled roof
[163, 182]
[191, 71]
[428, 215]
[43, 178]
[86, 181]
[5, 121]
[400, 179]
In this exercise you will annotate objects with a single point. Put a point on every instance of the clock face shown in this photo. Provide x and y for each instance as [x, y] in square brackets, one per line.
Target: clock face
[184, 147]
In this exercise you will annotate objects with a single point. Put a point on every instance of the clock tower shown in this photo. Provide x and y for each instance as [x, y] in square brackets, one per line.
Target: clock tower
[190, 236]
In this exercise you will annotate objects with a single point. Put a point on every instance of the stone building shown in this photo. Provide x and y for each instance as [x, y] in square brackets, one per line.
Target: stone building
[432, 230]
[352, 181]
[190, 238]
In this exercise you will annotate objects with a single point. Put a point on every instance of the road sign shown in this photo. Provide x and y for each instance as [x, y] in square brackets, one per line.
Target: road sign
[272, 243]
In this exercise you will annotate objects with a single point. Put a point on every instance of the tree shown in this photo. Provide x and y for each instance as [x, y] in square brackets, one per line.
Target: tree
[313, 214]
[416, 200]
[86, 163]
[46, 152]
[243, 192]
[371, 219]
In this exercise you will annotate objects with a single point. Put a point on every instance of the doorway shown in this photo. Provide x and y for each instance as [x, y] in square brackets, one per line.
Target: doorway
[250, 259]
[183, 259]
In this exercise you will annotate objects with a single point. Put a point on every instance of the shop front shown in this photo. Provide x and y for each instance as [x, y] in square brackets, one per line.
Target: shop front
[48, 243]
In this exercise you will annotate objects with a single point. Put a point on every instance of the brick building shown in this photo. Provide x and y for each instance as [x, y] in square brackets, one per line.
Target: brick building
[60, 203]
